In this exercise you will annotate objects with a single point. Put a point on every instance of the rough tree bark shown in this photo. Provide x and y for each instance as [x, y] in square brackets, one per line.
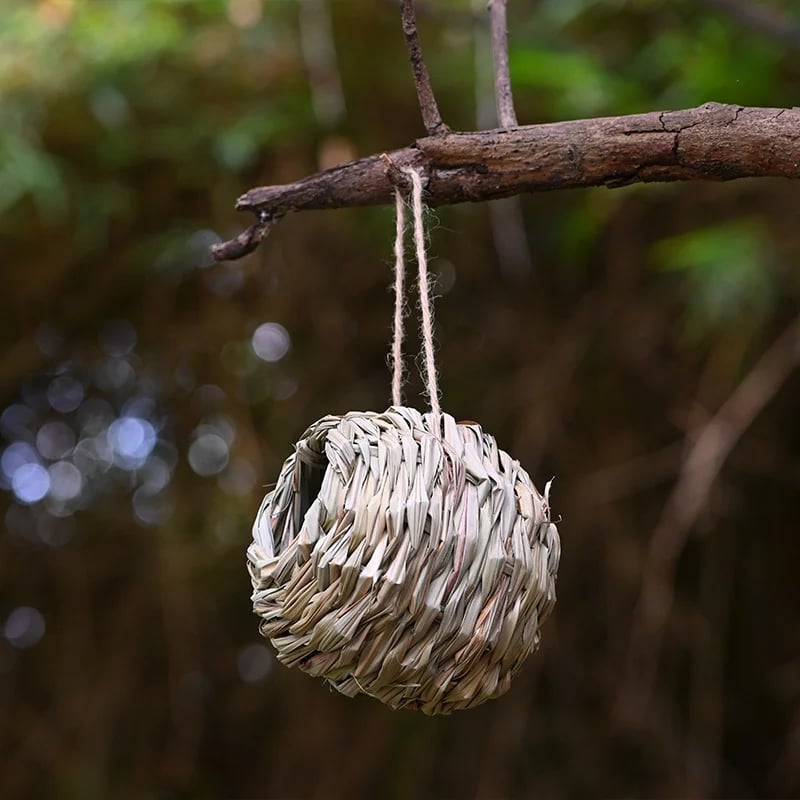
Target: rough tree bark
[712, 142]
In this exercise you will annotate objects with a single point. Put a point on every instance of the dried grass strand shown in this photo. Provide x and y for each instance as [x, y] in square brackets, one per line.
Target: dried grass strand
[406, 558]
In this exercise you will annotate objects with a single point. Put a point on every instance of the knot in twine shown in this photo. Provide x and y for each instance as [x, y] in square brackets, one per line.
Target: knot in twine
[401, 555]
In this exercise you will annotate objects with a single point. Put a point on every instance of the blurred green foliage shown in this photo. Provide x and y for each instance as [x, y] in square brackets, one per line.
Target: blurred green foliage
[730, 279]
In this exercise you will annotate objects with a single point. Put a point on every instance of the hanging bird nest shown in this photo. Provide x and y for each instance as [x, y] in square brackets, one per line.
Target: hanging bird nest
[406, 557]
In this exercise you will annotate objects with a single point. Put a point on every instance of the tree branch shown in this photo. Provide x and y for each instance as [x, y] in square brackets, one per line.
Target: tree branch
[712, 142]
[431, 118]
[498, 21]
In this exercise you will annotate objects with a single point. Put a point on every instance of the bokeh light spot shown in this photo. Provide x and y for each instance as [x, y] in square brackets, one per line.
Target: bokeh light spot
[151, 508]
[48, 340]
[115, 374]
[271, 341]
[95, 415]
[284, 387]
[24, 627]
[220, 424]
[156, 475]
[55, 440]
[30, 483]
[66, 481]
[17, 421]
[109, 106]
[255, 663]
[65, 394]
[244, 13]
[15, 456]
[131, 440]
[208, 454]
[93, 455]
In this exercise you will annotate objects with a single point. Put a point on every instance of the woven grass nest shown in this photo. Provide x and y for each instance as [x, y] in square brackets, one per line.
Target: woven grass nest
[412, 567]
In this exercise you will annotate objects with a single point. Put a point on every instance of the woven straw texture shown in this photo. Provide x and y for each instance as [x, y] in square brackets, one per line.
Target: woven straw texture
[413, 568]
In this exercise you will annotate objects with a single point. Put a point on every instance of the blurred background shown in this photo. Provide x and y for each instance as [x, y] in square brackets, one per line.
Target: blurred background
[627, 342]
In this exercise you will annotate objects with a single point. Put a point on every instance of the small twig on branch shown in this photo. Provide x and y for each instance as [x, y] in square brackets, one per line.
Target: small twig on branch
[398, 178]
[702, 464]
[246, 242]
[712, 142]
[498, 21]
[431, 118]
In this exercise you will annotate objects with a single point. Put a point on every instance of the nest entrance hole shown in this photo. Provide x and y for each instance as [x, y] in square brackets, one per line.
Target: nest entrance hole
[312, 473]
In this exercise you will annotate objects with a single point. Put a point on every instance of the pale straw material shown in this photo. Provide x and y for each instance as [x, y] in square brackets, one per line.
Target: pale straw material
[401, 555]
[412, 567]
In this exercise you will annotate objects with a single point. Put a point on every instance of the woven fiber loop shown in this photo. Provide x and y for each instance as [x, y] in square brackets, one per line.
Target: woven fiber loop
[415, 568]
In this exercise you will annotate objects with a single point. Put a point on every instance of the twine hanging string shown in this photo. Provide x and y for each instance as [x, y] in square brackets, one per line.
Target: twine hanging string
[425, 301]
[399, 301]
[430, 374]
